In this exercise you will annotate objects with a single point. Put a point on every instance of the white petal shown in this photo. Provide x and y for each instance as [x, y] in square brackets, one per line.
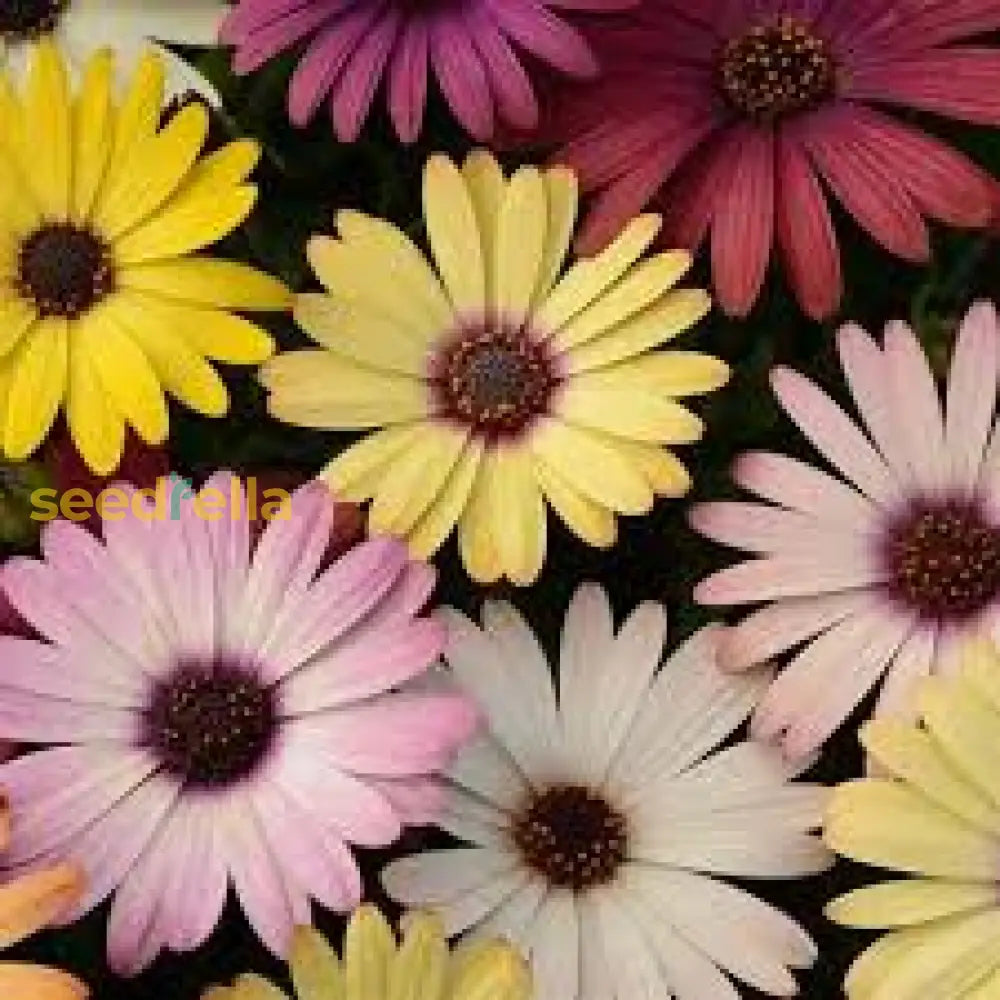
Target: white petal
[555, 945]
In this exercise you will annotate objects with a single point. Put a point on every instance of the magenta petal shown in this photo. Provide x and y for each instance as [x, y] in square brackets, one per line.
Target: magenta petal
[408, 79]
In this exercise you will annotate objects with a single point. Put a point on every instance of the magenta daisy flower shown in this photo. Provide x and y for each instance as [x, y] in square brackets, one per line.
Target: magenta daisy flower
[890, 569]
[476, 48]
[739, 118]
[219, 715]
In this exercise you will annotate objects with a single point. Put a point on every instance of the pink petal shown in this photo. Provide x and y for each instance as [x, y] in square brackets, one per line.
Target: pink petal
[408, 79]
[460, 73]
[912, 664]
[355, 90]
[545, 35]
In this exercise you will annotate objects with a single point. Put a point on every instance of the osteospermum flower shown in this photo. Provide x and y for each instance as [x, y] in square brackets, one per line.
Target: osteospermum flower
[221, 715]
[476, 50]
[375, 967]
[103, 302]
[28, 904]
[80, 26]
[888, 572]
[741, 115]
[934, 815]
[600, 822]
[501, 380]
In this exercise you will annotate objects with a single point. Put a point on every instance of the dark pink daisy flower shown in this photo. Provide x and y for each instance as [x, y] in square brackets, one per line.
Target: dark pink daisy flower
[743, 116]
[476, 49]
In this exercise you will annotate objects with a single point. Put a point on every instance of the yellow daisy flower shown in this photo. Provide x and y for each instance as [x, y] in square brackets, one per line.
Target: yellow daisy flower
[102, 305]
[374, 967]
[498, 380]
[934, 815]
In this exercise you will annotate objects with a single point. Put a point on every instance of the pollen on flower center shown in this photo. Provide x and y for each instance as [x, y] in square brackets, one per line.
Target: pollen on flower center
[210, 724]
[64, 270]
[572, 837]
[21, 20]
[943, 560]
[776, 69]
[495, 377]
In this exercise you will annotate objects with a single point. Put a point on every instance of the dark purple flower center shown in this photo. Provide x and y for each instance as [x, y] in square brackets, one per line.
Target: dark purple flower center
[21, 20]
[776, 69]
[943, 560]
[496, 378]
[64, 270]
[572, 837]
[210, 724]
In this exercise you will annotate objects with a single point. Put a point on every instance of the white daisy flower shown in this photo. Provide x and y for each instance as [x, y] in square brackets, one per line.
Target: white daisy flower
[127, 26]
[599, 822]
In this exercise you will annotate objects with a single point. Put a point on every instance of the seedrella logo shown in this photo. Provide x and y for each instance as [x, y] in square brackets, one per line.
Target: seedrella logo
[164, 501]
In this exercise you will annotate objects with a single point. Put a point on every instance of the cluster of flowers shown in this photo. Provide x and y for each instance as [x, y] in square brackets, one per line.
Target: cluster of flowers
[204, 704]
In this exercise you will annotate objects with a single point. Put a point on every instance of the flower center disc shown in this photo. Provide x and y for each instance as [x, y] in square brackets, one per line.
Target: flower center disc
[496, 378]
[944, 560]
[21, 20]
[210, 725]
[572, 837]
[64, 270]
[777, 69]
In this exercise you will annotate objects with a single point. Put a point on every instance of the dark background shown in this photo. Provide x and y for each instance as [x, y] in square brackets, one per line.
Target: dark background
[304, 176]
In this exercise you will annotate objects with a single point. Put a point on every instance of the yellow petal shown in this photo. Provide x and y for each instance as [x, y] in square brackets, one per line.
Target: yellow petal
[415, 479]
[315, 967]
[642, 287]
[155, 169]
[16, 319]
[886, 824]
[912, 754]
[563, 197]
[356, 332]
[34, 901]
[140, 111]
[587, 279]
[520, 242]
[93, 131]
[673, 373]
[47, 108]
[182, 371]
[454, 235]
[518, 515]
[229, 166]
[664, 471]
[479, 552]
[486, 185]
[593, 465]
[355, 474]
[876, 964]
[594, 524]
[98, 430]
[490, 970]
[318, 389]
[419, 969]
[19, 979]
[376, 240]
[38, 384]
[981, 669]
[209, 282]
[607, 402]
[358, 278]
[368, 949]
[443, 514]
[254, 987]
[909, 902]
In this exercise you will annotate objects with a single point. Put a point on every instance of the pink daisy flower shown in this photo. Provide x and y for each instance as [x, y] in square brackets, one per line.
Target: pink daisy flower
[475, 47]
[739, 118]
[890, 569]
[219, 715]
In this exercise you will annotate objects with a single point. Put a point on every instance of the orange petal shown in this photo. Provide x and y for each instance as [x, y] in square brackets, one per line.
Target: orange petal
[34, 901]
[18, 979]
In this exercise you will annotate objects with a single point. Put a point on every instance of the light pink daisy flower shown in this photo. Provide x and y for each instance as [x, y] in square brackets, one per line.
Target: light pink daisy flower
[219, 715]
[739, 118]
[476, 49]
[888, 570]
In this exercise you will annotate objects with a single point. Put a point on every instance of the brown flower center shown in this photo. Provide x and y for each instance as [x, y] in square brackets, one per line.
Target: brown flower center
[22, 20]
[572, 837]
[944, 560]
[776, 69]
[64, 270]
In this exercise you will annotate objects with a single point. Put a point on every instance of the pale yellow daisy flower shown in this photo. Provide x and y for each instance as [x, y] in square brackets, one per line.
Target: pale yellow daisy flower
[935, 815]
[375, 967]
[499, 380]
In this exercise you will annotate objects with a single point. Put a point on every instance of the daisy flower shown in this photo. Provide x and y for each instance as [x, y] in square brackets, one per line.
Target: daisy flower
[103, 302]
[220, 714]
[80, 26]
[887, 570]
[419, 967]
[500, 380]
[935, 815]
[600, 822]
[477, 51]
[29, 904]
[743, 116]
